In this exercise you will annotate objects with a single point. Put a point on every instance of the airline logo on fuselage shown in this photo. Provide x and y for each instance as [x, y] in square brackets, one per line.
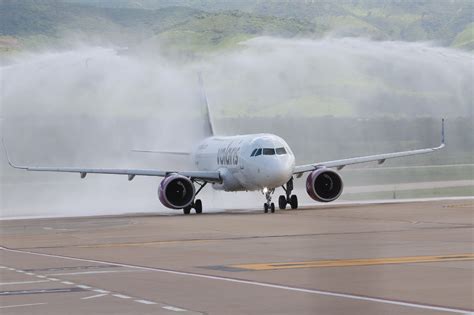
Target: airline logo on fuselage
[228, 156]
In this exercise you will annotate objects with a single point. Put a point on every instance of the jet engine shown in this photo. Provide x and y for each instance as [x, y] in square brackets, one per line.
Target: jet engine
[176, 191]
[324, 185]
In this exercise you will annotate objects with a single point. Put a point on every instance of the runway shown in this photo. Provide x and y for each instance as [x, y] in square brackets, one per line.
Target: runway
[394, 258]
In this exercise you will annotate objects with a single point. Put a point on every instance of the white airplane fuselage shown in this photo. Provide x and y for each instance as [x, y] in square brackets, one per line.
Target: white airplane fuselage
[246, 162]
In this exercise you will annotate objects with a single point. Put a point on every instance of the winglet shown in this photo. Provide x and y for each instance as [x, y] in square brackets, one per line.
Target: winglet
[209, 123]
[8, 157]
[443, 143]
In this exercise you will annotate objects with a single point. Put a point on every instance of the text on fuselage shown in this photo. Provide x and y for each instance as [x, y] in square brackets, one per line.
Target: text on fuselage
[228, 156]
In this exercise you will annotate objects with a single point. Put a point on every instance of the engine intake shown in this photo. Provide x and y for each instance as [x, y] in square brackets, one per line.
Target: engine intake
[324, 185]
[176, 191]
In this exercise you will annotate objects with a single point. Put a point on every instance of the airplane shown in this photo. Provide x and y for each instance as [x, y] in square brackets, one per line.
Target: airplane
[253, 162]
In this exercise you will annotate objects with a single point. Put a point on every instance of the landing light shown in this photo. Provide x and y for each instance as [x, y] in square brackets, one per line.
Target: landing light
[265, 189]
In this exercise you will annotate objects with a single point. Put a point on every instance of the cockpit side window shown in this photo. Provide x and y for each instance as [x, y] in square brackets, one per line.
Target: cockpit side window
[268, 151]
[253, 152]
[259, 152]
[280, 151]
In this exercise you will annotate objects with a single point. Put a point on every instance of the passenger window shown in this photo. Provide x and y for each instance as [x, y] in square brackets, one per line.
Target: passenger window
[268, 151]
[253, 152]
[259, 152]
[280, 151]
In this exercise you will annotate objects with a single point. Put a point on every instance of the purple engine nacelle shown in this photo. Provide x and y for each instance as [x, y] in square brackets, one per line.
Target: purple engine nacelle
[176, 191]
[324, 185]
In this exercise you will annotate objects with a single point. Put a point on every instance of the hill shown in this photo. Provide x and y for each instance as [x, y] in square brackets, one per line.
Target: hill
[200, 26]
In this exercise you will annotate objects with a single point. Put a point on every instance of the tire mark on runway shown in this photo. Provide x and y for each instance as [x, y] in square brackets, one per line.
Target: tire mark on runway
[456, 226]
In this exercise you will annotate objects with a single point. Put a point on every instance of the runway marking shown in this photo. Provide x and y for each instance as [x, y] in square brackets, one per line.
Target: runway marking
[29, 274]
[93, 296]
[83, 286]
[23, 282]
[462, 205]
[39, 291]
[173, 308]
[354, 262]
[91, 272]
[145, 302]
[20, 305]
[77, 268]
[122, 296]
[40, 276]
[259, 284]
[100, 291]
[52, 279]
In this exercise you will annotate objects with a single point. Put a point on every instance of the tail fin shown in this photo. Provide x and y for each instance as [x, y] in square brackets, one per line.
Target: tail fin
[209, 126]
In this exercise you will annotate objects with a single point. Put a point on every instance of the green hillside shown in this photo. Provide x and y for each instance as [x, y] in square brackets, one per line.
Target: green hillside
[190, 25]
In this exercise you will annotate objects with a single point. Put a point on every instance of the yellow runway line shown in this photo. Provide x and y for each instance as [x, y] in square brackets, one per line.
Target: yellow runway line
[355, 262]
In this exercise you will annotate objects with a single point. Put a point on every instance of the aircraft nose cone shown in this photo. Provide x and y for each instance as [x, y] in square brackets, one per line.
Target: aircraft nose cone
[275, 172]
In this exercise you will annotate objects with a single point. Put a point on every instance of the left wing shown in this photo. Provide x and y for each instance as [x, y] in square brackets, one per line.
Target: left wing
[380, 158]
[213, 177]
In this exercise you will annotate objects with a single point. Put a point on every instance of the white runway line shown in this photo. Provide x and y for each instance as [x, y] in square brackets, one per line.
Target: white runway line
[101, 291]
[91, 272]
[52, 279]
[29, 274]
[173, 308]
[93, 296]
[122, 296]
[83, 286]
[256, 283]
[145, 302]
[23, 282]
[40, 276]
[20, 305]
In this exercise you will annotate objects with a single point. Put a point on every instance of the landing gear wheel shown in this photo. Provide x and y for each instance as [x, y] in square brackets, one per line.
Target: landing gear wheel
[187, 210]
[265, 207]
[272, 207]
[294, 202]
[282, 202]
[198, 206]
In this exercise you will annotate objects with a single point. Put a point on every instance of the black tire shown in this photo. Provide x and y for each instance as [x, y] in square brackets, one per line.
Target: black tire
[294, 202]
[272, 207]
[265, 207]
[282, 202]
[187, 210]
[198, 206]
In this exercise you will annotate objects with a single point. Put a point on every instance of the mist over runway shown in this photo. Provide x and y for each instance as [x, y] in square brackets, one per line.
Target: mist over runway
[92, 105]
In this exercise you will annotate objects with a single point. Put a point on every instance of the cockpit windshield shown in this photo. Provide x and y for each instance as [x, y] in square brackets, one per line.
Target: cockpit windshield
[268, 151]
[280, 151]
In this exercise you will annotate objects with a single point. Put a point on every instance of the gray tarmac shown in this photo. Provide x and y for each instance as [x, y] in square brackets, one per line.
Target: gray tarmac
[396, 258]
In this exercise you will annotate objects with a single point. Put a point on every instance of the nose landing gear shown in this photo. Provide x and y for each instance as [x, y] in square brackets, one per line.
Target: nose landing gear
[269, 205]
[289, 198]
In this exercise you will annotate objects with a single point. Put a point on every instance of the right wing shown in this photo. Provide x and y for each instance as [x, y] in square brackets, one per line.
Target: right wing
[380, 158]
[213, 177]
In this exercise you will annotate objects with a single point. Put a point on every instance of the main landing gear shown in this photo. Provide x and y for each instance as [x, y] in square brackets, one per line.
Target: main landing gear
[289, 198]
[197, 203]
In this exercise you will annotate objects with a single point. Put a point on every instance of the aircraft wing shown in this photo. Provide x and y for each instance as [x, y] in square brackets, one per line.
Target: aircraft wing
[380, 158]
[213, 177]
